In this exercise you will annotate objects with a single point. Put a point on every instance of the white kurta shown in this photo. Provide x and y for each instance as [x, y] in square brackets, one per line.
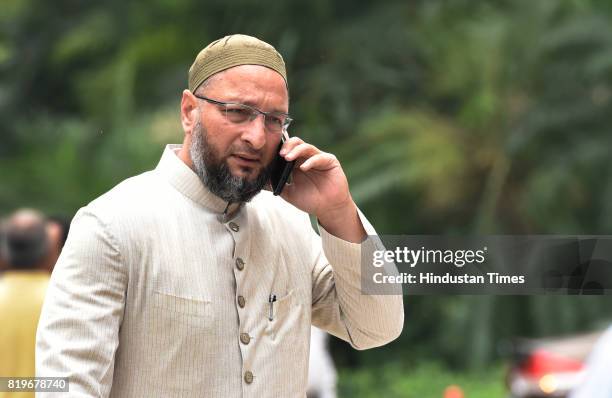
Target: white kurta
[156, 295]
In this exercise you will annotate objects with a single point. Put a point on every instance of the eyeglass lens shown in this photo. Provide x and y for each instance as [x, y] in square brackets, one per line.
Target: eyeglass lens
[240, 114]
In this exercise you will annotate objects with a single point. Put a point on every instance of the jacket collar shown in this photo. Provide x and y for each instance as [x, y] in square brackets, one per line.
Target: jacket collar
[187, 182]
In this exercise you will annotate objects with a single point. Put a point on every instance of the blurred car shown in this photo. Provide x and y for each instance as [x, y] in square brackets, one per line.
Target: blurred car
[549, 367]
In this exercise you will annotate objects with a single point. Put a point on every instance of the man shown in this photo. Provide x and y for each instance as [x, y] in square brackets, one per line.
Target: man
[187, 281]
[24, 247]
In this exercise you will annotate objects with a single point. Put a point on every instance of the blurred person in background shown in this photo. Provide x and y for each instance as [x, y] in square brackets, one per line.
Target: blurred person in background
[25, 249]
[598, 379]
[3, 264]
[321, 370]
[57, 231]
[63, 225]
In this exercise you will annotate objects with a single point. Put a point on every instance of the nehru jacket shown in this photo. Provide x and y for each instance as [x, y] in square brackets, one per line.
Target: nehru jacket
[158, 294]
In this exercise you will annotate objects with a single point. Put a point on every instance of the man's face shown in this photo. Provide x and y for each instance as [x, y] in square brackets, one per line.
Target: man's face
[233, 159]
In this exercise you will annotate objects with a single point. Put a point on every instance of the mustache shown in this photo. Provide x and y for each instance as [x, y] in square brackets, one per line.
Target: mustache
[247, 150]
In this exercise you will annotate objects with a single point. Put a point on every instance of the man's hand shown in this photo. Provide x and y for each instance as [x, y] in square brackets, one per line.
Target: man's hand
[320, 188]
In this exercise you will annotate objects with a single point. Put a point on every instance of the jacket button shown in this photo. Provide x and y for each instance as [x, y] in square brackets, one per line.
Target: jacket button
[234, 227]
[248, 377]
[240, 264]
[241, 301]
[245, 338]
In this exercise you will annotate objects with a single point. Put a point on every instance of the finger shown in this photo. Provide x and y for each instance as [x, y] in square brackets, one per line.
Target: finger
[300, 151]
[321, 161]
[290, 144]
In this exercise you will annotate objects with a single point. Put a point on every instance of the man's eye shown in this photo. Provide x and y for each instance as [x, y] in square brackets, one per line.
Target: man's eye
[237, 111]
[275, 120]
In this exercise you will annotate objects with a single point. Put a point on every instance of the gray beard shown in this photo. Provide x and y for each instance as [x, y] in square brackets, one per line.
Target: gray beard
[215, 174]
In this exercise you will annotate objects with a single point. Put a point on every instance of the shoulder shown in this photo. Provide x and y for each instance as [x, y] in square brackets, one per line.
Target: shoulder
[124, 203]
[278, 213]
[133, 196]
[127, 194]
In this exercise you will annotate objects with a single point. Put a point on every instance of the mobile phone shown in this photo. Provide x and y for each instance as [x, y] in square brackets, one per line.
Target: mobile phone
[280, 170]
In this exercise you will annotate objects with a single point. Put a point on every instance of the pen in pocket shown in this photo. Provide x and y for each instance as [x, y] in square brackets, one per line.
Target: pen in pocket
[271, 300]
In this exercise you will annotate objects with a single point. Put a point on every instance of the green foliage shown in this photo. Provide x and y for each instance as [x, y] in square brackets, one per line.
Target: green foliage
[427, 380]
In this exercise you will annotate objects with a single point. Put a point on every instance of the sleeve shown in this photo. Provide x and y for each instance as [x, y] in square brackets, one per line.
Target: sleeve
[338, 304]
[78, 329]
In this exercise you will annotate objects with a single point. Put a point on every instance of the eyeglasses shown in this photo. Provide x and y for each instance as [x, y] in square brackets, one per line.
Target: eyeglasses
[274, 122]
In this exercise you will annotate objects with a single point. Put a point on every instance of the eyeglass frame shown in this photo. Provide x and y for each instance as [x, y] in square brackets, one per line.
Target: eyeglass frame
[284, 126]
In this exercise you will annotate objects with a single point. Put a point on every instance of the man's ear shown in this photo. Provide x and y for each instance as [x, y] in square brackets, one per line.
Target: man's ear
[189, 111]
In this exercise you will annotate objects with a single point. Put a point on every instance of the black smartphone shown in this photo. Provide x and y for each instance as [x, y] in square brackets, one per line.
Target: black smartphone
[280, 170]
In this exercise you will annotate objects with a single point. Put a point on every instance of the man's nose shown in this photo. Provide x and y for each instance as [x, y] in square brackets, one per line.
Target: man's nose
[255, 132]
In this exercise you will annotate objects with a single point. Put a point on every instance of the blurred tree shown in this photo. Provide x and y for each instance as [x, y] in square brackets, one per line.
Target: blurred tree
[509, 136]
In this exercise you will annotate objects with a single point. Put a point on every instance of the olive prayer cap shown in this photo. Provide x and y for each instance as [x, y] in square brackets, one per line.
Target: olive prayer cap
[232, 51]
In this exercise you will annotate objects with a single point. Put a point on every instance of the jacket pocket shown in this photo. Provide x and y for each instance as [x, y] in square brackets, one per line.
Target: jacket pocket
[279, 316]
[183, 310]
